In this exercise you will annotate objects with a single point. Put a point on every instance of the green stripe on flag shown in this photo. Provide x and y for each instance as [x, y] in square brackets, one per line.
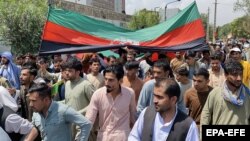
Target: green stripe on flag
[84, 24]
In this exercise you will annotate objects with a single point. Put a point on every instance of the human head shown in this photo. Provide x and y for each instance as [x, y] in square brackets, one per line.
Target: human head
[131, 68]
[113, 76]
[63, 71]
[19, 60]
[201, 79]
[235, 53]
[162, 69]
[39, 97]
[111, 60]
[28, 74]
[43, 62]
[215, 62]
[233, 73]
[73, 68]
[178, 54]
[28, 58]
[57, 64]
[95, 65]
[190, 57]
[6, 58]
[166, 94]
[206, 54]
[130, 56]
[182, 74]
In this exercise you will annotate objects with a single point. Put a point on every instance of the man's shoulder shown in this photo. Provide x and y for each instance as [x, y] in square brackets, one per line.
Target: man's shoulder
[191, 91]
[127, 90]
[149, 83]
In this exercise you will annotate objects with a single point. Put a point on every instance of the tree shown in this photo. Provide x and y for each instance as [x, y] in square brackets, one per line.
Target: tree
[204, 18]
[144, 19]
[243, 5]
[240, 27]
[224, 31]
[21, 24]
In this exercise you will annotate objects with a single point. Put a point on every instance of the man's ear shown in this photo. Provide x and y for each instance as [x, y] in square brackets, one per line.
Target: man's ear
[174, 100]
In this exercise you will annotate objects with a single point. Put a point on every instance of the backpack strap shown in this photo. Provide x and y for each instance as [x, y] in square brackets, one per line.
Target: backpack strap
[148, 123]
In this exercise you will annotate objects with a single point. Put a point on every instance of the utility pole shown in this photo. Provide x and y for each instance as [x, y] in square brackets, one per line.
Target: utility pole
[214, 28]
[208, 13]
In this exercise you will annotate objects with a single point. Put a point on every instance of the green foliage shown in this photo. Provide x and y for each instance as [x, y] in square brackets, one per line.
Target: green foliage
[21, 24]
[224, 31]
[242, 5]
[144, 19]
[204, 18]
[239, 28]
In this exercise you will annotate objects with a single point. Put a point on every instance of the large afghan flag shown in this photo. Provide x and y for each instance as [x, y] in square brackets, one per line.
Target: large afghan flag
[67, 32]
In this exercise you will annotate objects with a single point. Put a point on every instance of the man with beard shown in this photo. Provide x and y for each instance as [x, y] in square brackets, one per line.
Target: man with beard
[54, 119]
[161, 69]
[115, 105]
[27, 77]
[78, 91]
[163, 120]
[196, 96]
[229, 104]
[9, 70]
[235, 53]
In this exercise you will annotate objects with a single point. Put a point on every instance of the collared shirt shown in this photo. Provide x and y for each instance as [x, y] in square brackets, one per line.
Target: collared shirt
[161, 130]
[216, 79]
[57, 125]
[115, 115]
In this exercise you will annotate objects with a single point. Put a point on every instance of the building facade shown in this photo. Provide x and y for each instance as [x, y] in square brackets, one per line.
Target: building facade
[113, 5]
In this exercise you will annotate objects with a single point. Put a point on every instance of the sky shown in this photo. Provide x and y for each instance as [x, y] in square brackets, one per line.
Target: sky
[225, 12]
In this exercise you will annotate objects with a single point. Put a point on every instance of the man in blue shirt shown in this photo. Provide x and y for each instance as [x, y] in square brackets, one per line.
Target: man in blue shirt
[54, 119]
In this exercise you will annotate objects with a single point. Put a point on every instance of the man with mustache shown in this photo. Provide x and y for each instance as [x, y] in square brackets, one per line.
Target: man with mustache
[163, 120]
[229, 104]
[115, 105]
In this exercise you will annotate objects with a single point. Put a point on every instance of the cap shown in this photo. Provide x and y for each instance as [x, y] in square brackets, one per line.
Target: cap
[245, 45]
[235, 49]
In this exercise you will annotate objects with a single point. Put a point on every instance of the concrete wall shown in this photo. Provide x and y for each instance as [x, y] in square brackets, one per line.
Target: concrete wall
[93, 11]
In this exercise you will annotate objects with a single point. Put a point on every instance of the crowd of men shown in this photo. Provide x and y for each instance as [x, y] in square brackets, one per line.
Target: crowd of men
[99, 98]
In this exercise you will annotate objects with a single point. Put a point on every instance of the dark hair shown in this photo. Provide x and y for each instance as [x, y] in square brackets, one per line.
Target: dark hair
[43, 59]
[203, 72]
[63, 65]
[31, 67]
[19, 57]
[131, 65]
[231, 66]
[205, 51]
[189, 54]
[183, 71]
[42, 89]
[115, 69]
[171, 87]
[165, 66]
[73, 63]
[111, 56]
[216, 56]
[94, 60]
